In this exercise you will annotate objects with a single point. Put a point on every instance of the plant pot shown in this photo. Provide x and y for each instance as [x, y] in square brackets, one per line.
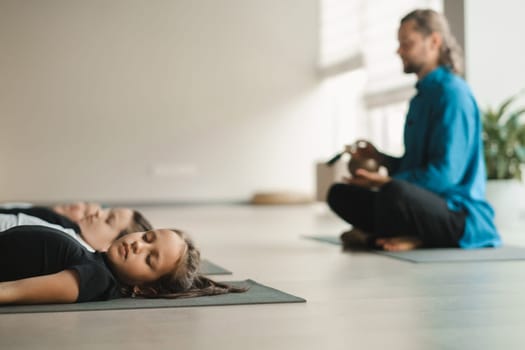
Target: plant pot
[507, 197]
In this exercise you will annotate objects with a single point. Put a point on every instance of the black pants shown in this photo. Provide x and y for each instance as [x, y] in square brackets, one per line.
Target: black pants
[398, 209]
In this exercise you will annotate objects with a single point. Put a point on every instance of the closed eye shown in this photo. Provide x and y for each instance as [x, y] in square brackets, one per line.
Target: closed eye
[149, 237]
[151, 259]
[110, 219]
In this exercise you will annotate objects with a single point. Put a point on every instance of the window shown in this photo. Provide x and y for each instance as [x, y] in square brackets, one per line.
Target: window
[360, 35]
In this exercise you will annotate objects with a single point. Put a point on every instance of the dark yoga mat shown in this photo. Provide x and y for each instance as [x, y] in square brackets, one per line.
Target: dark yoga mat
[209, 268]
[443, 255]
[325, 239]
[256, 294]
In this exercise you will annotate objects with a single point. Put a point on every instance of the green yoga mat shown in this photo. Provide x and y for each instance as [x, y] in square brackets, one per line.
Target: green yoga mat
[256, 294]
[446, 255]
[209, 268]
[443, 255]
[325, 239]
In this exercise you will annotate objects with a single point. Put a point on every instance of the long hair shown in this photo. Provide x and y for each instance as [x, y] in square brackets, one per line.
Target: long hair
[428, 22]
[138, 224]
[185, 281]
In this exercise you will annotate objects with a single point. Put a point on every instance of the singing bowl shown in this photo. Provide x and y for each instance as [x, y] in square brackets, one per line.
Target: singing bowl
[369, 164]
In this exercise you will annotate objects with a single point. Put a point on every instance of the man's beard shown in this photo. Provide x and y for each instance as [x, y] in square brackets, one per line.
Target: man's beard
[412, 68]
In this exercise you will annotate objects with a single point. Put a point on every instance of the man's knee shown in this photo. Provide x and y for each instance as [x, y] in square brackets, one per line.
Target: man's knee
[335, 195]
[395, 189]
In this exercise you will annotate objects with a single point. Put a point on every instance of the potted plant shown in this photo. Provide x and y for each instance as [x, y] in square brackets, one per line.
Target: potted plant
[504, 141]
[504, 148]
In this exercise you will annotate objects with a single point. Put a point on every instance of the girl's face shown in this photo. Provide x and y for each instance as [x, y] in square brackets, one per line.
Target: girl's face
[142, 257]
[104, 225]
[94, 220]
[77, 211]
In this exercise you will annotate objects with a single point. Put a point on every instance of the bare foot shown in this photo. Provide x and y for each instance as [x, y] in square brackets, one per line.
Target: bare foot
[398, 244]
[355, 238]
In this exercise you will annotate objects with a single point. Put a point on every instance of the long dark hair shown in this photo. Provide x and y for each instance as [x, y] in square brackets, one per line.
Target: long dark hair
[139, 223]
[185, 281]
[428, 22]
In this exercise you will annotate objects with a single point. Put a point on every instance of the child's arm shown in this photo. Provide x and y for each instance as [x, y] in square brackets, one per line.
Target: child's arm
[60, 287]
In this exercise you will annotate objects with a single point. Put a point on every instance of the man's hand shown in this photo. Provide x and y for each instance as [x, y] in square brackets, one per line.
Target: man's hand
[368, 179]
[362, 149]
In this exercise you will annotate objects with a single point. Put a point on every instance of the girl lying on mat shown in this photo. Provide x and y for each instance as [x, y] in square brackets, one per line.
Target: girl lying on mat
[41, 265]
[93, 225]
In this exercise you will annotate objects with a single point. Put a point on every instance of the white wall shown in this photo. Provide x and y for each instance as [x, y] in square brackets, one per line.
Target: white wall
[495, 53]
[158, 100]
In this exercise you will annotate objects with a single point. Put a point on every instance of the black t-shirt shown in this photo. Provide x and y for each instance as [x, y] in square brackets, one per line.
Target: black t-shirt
[28, 251]
[45, 214]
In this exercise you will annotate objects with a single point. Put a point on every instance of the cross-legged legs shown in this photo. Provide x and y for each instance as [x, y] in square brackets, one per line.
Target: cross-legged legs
[398, 216]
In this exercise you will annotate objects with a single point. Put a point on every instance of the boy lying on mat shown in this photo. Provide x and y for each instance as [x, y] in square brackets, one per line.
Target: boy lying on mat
[41, 265]
[88, 222]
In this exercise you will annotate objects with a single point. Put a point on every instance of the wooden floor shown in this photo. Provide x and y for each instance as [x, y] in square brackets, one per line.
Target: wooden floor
[355, 301]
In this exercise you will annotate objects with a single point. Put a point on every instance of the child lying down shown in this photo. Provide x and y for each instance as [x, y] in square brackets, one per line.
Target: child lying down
[41, 265]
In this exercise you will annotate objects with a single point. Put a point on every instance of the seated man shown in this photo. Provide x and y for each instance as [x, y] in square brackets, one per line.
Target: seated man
[92, 225]
[434, 195]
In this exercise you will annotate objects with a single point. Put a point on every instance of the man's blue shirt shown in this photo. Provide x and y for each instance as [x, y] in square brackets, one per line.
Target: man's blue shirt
[444, 152]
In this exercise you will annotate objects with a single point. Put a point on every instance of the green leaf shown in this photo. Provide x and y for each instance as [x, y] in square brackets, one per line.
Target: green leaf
[504, 140]
[503, 107]
[513, 119]
[520, 153]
